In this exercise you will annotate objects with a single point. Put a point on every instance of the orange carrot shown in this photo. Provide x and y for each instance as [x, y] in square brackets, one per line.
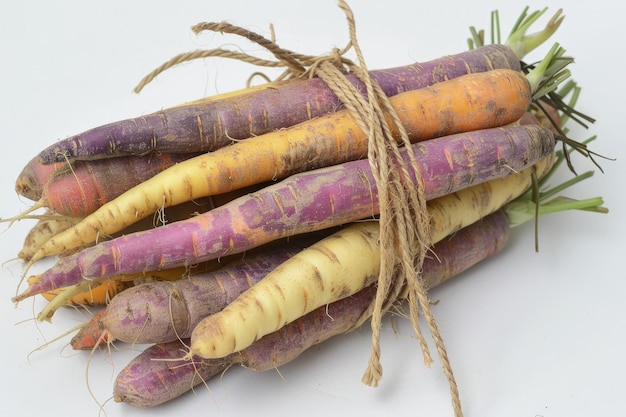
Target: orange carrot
[34, 176]
[91, 334]
[79, 189]
[97, 295]
[50, 224]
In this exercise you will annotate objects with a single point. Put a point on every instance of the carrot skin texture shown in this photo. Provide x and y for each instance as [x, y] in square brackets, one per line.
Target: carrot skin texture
[42, 231]
[47, 228]
[283, 210]
[97, 295]
[89, 184]
[158, 312]
[456, 254]
[470, 102]
[304, 202]
[215, 123]
[186, 295]
[474, 244]
[330, 270]
[91, 334]
[160, 378]
[34, 177]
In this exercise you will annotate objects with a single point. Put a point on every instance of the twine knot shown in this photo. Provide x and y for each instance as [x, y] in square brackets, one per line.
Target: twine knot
[404, 221]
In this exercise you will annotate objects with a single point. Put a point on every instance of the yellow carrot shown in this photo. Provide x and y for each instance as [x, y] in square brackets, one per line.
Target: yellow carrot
[339, 266]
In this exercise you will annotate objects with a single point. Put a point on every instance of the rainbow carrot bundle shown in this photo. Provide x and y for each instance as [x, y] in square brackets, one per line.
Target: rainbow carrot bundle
[254, 224]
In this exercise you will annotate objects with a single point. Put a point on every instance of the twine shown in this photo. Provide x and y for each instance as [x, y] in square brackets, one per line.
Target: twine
[297, 65]
[404, 221]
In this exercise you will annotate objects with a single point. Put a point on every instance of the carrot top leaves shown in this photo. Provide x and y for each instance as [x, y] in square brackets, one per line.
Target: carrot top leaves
[538, 201]
[522, 43]
[528, 206]
[546, 75]
[549, 73]
[568, 112]
[556, 99]
[518, 40]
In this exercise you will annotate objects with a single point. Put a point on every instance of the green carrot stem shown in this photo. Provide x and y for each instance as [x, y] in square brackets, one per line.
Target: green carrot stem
[519, 41]
[522, 211]
[572, 181]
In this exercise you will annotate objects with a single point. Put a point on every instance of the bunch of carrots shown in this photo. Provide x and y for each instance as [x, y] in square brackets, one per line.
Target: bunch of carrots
[246, 227]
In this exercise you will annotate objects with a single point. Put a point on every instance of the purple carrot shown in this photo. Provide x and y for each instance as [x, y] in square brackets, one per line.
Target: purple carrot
[309, 201]
[162, 311]
[213, 123]
[156, 376]
[148, 381]
[313, 200]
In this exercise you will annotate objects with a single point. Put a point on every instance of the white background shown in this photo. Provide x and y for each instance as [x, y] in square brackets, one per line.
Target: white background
[529, 334]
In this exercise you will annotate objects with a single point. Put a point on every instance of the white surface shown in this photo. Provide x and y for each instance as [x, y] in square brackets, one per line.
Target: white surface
[528, 334]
